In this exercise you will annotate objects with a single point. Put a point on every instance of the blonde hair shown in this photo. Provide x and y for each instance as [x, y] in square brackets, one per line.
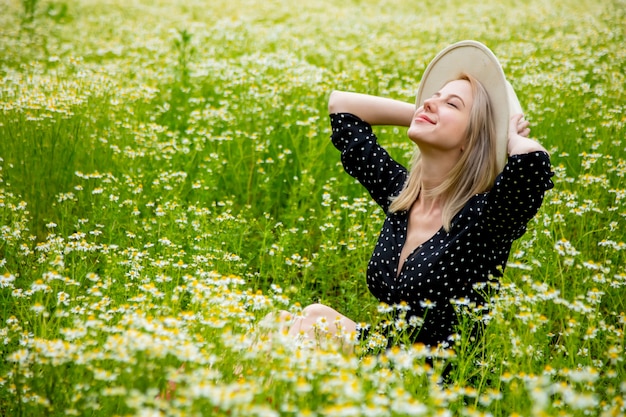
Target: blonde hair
[474, 173]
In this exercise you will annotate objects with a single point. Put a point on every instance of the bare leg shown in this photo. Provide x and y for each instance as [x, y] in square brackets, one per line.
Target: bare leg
[316, 322]
[319, 321]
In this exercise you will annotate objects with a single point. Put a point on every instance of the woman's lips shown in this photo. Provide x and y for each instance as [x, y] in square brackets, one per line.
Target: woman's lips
[423, 117]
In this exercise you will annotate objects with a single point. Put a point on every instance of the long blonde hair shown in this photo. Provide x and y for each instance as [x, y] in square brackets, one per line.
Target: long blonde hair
[474, 173]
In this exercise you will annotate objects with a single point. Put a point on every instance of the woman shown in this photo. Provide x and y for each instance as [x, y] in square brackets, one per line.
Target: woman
[450, 220]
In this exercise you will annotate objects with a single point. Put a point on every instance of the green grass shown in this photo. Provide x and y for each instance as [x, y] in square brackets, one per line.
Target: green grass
[167, 180]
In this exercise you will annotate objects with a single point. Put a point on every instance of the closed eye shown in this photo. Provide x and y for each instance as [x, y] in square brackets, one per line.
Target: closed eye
[457, 105]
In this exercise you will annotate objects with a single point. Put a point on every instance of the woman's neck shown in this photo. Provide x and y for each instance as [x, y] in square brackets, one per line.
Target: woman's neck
[434, 172]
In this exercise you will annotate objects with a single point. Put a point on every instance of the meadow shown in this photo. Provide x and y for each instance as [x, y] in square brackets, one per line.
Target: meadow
[167, 180]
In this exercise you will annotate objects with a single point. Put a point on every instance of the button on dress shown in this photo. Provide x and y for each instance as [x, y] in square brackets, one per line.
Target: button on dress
[447, 266]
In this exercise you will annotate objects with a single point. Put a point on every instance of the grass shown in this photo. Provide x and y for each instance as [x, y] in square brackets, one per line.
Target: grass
[167, 180]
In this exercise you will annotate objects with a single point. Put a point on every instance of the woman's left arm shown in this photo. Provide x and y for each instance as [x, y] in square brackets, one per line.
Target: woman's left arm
[518, 191]
[519, 143]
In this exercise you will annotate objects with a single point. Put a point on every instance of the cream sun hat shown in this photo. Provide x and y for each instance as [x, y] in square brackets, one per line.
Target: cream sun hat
[475, 59]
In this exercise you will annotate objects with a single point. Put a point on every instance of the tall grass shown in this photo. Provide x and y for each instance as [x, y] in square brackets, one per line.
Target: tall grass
[167, 181]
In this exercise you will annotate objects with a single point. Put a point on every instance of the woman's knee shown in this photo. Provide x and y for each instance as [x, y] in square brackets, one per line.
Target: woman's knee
[317, 310]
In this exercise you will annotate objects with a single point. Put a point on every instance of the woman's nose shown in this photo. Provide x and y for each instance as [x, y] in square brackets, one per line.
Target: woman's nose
[429, 105]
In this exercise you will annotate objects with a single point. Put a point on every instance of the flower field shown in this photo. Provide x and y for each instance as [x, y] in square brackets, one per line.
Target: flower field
[167, 185]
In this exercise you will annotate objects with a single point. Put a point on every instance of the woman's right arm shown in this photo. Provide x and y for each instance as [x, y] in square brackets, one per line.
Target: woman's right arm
[372, 109]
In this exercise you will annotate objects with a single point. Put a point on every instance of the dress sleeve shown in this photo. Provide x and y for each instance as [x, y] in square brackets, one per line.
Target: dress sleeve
[364, 159]
[517, 195]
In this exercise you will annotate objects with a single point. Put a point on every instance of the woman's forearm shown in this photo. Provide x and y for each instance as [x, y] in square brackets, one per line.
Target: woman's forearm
[518, 142]
[372, 109]
[520, 145]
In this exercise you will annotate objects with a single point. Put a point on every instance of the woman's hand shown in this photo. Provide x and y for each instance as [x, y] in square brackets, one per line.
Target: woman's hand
[521, 124]
[519, 143]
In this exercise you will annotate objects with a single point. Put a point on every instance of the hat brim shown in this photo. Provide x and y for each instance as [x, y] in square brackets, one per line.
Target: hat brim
[475, 59]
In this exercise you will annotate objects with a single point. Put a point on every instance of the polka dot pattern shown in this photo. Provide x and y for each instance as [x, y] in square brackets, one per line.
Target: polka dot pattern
[448, 265]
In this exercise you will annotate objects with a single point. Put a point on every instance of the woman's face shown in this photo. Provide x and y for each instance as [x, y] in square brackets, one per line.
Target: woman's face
[441, 123]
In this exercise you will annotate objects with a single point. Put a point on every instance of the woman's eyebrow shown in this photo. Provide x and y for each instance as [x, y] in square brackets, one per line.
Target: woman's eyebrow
[438, 94]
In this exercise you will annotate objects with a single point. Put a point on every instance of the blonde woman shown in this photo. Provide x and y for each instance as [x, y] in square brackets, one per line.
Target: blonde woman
[474, 183]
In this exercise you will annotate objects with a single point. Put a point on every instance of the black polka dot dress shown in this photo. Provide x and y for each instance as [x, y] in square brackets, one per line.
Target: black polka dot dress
[445, 267]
